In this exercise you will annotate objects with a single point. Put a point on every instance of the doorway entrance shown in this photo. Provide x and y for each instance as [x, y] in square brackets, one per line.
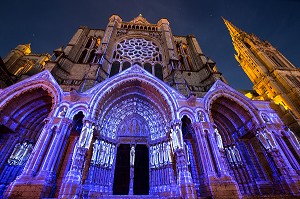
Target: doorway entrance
[141, 170]
[122, 170]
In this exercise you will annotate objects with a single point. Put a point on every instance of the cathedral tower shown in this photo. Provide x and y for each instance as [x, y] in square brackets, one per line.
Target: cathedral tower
[274, 77]
[94, 55]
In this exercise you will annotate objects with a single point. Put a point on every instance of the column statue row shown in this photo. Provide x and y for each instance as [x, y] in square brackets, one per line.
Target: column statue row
[103, 153]
[161, 154]
[71, 186]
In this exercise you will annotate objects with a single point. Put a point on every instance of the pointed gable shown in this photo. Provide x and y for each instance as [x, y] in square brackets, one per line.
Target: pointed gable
[140, 20]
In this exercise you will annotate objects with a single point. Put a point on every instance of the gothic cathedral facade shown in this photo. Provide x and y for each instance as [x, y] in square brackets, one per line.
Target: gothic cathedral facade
[133, 111]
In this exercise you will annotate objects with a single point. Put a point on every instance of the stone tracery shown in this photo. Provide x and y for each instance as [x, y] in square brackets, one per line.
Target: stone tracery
[138, 49]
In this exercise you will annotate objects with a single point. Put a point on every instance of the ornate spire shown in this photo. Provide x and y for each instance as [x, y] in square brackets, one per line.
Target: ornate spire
[233, 30]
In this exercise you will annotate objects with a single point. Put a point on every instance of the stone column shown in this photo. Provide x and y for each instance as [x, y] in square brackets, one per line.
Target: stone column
[184, 178]
[289, 179]
[48, 145]
[55, 149]
[72, 183]
[219, 183]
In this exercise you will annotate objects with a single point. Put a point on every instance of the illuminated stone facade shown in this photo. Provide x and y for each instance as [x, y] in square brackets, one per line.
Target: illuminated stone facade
[134, 111]
[273, 76]
[20, 64]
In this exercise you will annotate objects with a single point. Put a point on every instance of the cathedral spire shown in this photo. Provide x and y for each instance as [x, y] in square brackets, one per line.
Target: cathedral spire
[233, 30]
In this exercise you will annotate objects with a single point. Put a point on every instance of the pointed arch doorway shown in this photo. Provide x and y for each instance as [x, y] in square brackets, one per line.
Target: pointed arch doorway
[121, 184]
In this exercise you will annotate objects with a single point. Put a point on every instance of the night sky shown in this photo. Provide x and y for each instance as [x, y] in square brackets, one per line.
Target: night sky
[48, 25]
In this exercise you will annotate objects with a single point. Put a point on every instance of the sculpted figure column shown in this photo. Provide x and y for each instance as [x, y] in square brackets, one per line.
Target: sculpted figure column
[71, 185]
[294, 140]
[184, 180]
[288, 176]
[266, 139]
[132, 159]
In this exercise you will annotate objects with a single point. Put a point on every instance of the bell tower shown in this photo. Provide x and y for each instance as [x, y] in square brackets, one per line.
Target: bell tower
[273, 76]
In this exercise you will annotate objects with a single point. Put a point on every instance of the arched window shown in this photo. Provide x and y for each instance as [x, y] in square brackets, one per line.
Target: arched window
[82, 56]
[158, 71]
[115, 67]
[148, 67]
[126, 65]
[88, 44]
[92, 55]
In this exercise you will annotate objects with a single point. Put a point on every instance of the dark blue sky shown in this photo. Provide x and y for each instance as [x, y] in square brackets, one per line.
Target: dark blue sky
[48, 25]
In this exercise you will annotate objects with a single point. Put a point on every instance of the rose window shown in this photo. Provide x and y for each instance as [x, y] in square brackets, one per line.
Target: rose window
[138, 50]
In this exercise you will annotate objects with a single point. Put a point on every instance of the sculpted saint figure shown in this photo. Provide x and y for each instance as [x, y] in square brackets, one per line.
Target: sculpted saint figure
[160, 154]
[62, 112]
[101, 150]
[165, 153]
[228, 154]
[218, 139]
[132, 155]
[95, 151]
[200, 117]
[170, 153]
[27, 150]
[86, 135]
[266, 138]
[13, 159]
[103, 153]
[155, 151]
[152, 154]
[112, 155]
[237, 155]
[187, 151]
[294, 138]
[107, 154]
[176, 136]
[269, 138]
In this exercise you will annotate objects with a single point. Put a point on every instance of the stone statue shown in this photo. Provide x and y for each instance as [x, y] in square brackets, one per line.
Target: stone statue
[155, 151]
[152, 151]
[95, 151]
[265, 118]
[262, 140]
[107, 154]
[228, 154]
[160, 154]
[20, 153]
[266, 139]
[269, 137]
[187, 151]
[112, 155]
[101, 149]
[294, 138]
[86, 135]
[200, 116]
[234, 160]
[62, 112]
[169, 151]
[165, 153]
[176, 136]
[237, 155]
[218, 139]
[103, 153]
[132, 155]
[13, 159]
[26, 153]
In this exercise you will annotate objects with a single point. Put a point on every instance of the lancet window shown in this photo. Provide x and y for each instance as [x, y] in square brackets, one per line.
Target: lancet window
[88, 52]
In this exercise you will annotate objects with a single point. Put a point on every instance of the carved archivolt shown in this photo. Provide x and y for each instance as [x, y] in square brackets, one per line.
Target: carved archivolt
[133, 117]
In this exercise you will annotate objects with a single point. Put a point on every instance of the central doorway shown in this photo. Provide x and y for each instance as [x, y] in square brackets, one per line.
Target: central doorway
[141, 170]
[122, 170]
